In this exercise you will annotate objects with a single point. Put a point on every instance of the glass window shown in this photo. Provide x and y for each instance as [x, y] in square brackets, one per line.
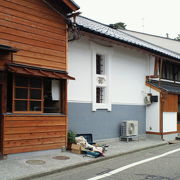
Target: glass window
[35, 94]
[26, 91]
[35, 105]
[21, 81]
[20, 105]
[21, 93]
[35, 82]
[170, 71]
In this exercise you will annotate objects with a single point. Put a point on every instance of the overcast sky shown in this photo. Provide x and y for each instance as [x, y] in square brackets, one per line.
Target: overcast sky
[156, 17]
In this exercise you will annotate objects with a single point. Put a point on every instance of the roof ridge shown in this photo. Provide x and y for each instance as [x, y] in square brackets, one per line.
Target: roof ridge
[149, 42]
[118, 35]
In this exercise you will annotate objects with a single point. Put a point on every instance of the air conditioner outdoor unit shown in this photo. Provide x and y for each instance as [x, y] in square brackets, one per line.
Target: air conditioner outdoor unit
[129, 128]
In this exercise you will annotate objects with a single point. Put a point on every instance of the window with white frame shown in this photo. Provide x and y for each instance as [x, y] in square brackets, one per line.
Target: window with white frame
[101, 81]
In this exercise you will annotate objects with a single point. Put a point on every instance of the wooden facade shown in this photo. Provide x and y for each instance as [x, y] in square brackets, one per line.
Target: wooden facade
[23, 133]
[38, 32]
[171, 103]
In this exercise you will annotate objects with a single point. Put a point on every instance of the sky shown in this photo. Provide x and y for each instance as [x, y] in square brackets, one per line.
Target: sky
[157, 17]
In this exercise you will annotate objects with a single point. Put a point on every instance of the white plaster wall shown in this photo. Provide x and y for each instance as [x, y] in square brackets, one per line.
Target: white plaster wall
[128, 69]
[153, 113]
[151, 65]
[79, 66]
[169, 121]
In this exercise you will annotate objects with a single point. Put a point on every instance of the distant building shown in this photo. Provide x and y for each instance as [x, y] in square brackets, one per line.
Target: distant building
[168, 43]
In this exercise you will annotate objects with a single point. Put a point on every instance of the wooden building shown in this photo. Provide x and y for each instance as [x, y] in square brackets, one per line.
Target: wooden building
[33, 74]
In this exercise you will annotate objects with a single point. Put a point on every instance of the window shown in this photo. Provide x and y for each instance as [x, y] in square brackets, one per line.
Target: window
[100, 95]
[100, 83]
[27, 94]
[100, 64]
[170, 71]
[52, 95]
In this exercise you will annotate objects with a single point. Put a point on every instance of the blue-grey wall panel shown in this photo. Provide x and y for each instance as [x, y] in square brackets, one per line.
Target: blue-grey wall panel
[101, 123]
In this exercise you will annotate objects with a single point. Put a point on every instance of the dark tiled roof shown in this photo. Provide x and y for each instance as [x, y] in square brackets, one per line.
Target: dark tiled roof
[7, 48]
[106, 31]
[166, 86]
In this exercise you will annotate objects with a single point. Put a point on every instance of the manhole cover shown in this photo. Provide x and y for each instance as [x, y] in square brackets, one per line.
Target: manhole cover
[61, 157]
[35, 162]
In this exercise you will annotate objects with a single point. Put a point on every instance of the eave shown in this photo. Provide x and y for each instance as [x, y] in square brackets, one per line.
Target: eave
[71, 4]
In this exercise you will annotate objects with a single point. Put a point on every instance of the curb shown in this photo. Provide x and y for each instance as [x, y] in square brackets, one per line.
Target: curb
[38, 175]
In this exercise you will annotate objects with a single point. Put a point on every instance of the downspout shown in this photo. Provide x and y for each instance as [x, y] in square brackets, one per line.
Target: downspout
[161, 103]
[72, 26]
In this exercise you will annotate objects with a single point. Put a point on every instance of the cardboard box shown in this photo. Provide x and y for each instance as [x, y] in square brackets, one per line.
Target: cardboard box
[75, 148]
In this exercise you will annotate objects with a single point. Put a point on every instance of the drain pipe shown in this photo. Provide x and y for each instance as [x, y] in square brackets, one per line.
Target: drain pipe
[161, 115]
[161, 102]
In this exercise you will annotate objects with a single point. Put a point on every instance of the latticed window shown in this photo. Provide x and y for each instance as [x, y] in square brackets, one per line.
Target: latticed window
[171, 71]
[36, 95]
[100, 78]
[100, 64]
[101, 74]
[27, 94]
[100, 95]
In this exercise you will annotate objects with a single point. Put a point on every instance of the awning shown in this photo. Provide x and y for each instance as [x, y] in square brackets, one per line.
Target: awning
[169, 87]
[34, 71]
[5, 48]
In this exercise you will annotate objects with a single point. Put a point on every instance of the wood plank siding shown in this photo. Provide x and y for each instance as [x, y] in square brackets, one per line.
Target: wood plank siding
[24, 133]
[39, 33]
[171, 103]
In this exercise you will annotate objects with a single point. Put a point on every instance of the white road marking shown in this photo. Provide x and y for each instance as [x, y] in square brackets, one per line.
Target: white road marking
[132, 165]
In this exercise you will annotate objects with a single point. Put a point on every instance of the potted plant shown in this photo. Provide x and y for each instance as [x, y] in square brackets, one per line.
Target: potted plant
[71, 139]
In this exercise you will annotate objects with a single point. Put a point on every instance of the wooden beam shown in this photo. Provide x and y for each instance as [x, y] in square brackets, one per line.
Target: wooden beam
[72, 6]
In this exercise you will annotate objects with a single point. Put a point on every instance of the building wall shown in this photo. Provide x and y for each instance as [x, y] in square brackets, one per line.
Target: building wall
[153, 113]
[128, 69]
[170, 44]
[24, 133]
[40, 35]
[38, 32]
[169, 121]
[103, 124]
[170, 109]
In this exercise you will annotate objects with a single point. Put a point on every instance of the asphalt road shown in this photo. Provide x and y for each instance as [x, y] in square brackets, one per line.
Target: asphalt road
[162, 168]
